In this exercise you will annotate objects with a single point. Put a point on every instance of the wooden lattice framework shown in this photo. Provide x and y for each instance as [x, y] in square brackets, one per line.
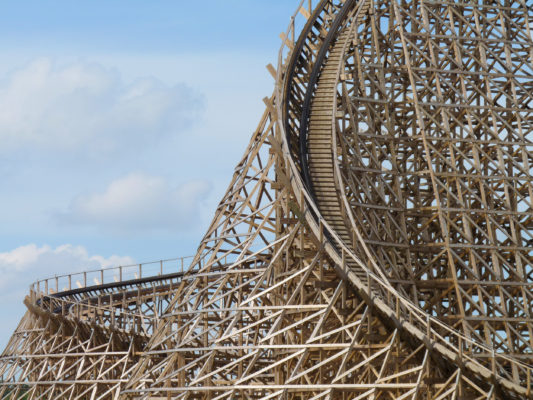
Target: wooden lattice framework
[375, 241]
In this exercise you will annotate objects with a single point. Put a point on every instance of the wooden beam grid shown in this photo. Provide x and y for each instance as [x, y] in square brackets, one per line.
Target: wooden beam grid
[374, 241]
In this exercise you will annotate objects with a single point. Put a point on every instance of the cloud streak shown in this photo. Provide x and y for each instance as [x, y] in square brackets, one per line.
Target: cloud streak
[139, 202]
[45, 259]
[84, 107]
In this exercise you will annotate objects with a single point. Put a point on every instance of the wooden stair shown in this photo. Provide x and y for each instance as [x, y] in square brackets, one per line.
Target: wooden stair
[320, 144]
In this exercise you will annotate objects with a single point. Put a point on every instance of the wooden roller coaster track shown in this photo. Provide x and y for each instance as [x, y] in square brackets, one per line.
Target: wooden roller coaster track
[375, 241]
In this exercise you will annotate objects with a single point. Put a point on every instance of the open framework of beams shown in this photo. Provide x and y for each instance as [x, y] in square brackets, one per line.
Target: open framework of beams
[375, 240]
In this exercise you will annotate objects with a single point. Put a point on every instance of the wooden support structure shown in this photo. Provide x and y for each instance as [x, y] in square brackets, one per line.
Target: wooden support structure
[375, 241]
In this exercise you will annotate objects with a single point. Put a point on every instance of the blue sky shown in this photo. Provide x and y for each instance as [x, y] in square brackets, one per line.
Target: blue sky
[120, 125]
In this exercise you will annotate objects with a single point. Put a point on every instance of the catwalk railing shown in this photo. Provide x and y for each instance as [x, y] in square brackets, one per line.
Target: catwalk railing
[139, 284]
[109, 276]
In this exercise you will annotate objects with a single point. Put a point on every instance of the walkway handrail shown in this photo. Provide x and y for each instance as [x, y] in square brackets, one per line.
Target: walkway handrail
[102, 276]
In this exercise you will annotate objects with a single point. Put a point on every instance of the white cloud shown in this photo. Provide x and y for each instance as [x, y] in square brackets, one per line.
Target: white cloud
[140, 202]
[26, 264]
[84, 107]
[34, 261]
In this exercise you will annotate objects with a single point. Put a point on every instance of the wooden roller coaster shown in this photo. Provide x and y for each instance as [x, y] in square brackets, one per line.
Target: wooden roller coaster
[375, 241]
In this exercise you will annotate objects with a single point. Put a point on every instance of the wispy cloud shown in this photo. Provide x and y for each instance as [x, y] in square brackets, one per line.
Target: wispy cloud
[139, 202]
[85, 107]
[44, 260]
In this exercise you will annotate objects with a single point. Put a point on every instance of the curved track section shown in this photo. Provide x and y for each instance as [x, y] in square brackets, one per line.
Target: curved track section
[317, 139]
[78, 342]
[414, 142]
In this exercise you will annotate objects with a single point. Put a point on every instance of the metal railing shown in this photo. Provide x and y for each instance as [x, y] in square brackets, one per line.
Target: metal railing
[112, 275]
[110, 310]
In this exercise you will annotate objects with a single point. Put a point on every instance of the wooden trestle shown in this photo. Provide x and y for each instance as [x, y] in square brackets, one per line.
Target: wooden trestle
[375, 241]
